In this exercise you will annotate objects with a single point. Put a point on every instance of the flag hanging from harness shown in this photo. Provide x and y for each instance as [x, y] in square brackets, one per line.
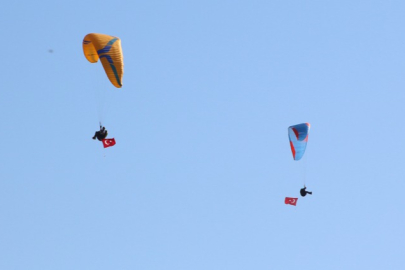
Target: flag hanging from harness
[108, 142]
[292, 201]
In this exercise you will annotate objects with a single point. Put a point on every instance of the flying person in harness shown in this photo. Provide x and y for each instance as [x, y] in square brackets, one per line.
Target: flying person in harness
[303, 191]
[101, 134]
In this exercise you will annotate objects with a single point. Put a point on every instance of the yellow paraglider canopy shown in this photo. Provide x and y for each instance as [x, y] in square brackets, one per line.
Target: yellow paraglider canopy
[108, 50]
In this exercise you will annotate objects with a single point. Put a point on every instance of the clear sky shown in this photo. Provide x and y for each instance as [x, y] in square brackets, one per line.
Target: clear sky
[202, 164]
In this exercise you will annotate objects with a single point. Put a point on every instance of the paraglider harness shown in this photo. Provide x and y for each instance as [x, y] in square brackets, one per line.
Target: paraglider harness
[303, 191]
[101, 134]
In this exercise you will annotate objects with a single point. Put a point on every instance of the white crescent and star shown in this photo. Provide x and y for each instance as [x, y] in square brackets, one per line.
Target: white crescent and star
[292, 200]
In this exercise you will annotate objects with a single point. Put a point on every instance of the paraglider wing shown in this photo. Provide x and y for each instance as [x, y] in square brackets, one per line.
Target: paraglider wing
[298, 136]
[108, 50]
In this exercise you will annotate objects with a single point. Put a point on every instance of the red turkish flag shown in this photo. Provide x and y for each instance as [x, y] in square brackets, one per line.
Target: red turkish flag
[108, 142]
[292, 201]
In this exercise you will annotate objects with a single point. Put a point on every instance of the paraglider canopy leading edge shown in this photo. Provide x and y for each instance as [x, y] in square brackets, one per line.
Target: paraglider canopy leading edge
[108, 50]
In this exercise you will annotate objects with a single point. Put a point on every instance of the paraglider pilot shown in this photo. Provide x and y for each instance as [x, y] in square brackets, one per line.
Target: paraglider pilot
[303, 192]
[101, 134]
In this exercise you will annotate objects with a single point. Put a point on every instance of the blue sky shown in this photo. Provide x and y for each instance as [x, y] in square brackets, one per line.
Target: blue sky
[202, 164]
